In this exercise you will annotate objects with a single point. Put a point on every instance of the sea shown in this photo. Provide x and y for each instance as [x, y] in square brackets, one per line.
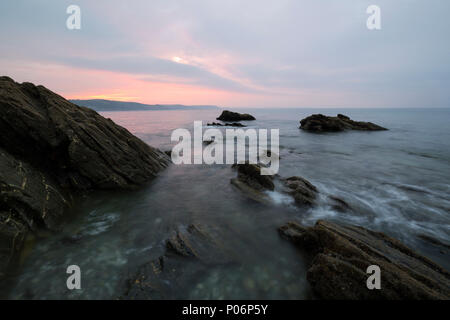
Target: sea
[396, 182]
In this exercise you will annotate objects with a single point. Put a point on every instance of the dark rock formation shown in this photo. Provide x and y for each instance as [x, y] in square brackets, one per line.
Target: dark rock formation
[29, 199]
[232, 124]
[250, 174]
[208, 142]
[190, 253]
[79, 147]
[342, 254]
[321, 123]
[302, 190]
[251, 183]
[51, 148]
[235, 116]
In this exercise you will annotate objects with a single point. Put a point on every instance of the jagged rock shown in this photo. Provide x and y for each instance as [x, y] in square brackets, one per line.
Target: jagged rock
[251, 183]
[235, 116]
[29, 199]
[251, 175]
[50, 149]
[208, 142]
[342, 254]
[321, 123]
[302, 190]
[190, 253]
[80, 148]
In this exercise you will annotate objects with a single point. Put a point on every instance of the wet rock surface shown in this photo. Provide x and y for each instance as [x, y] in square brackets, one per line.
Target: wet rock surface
[51, 149]
[254, 185]
[235, 116]
[164, 278]
[339, 204]
[251, 183]
[321, 123]
[303, 191]
[341, 254]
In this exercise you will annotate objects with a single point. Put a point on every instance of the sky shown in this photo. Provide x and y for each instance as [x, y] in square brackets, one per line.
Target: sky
[233, 53]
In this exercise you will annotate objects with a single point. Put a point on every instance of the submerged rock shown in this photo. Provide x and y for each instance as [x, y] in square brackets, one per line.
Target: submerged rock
[339, 204]
[321, 123]
[189, 254]
[342, 254]
[235, 116]
[51, 149]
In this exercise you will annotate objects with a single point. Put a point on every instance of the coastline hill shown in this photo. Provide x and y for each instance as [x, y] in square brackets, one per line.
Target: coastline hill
[110, 105]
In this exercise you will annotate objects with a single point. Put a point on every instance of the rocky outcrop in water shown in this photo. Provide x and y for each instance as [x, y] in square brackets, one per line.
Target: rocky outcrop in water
[303, 191]
[254, 185]
[321, 123]
[235, 116]
[251, 183]
[341, 254]
[190, 253]
[51, 149]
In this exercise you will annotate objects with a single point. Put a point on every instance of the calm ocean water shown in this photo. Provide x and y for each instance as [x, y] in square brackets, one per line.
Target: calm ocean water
[398, 182]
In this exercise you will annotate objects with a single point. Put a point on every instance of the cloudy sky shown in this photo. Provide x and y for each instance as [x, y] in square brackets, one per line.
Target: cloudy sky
[235, 53]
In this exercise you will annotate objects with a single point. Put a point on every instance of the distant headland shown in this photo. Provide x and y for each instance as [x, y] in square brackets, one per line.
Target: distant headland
[110, 105]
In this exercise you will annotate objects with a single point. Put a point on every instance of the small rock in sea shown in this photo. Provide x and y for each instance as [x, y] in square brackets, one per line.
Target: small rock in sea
[303, 191]
[251, 183]
[207, 142]
[321, 123]
[235, 116]
[233, 124]
[251, 175]
[255, 186]
[340, 204]
[215, 124]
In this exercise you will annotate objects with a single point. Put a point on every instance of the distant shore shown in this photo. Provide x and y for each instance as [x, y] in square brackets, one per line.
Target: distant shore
[111, 105]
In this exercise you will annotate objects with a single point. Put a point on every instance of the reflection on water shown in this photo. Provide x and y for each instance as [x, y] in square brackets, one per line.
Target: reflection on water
[396, 181]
